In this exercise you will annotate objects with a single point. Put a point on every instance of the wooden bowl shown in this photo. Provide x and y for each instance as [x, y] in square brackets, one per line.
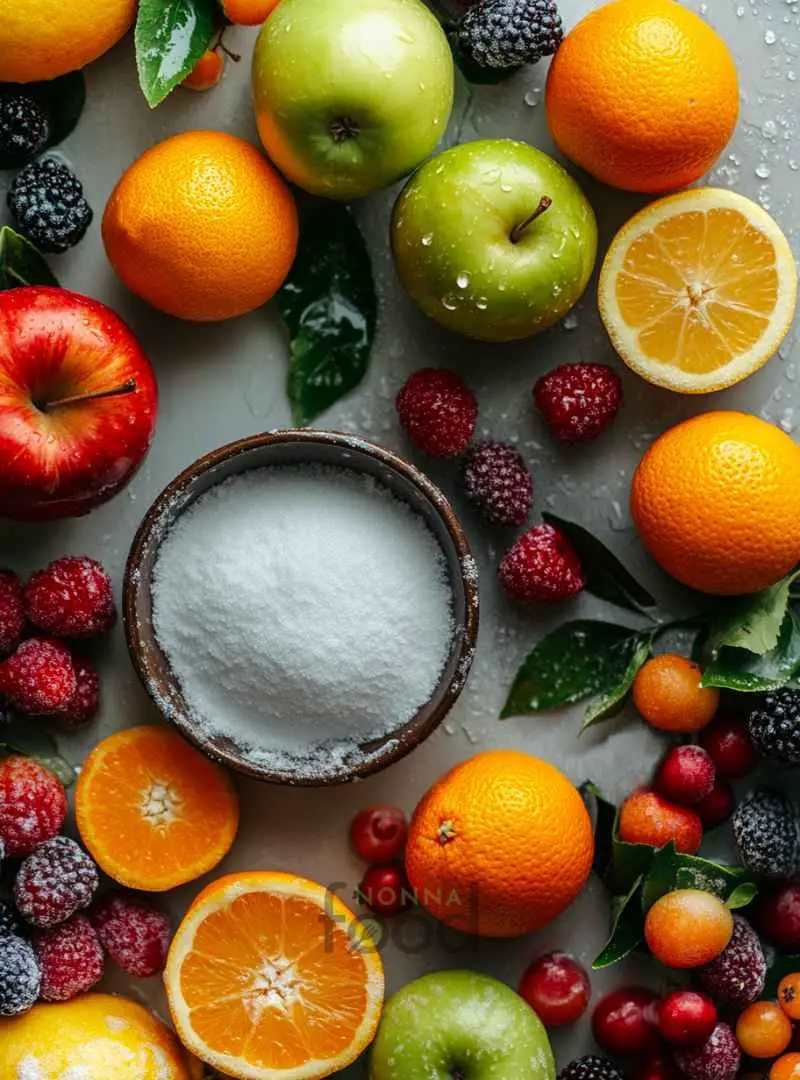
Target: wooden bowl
[293, 448]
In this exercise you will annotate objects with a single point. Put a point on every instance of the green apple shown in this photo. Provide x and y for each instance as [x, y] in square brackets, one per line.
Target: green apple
[460, 1024]
[493, 239]
[351, 95]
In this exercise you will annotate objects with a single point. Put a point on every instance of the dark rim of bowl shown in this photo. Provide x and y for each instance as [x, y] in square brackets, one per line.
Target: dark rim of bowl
[142, 642]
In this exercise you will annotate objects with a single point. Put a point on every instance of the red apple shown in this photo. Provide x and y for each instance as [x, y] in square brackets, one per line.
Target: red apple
[78, 403]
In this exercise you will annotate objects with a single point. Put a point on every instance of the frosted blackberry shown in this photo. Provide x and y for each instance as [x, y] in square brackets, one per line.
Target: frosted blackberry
[54, 882]
[774, 726]
[20, 977]
[591, 1067]
[737, 975]
[509, 33]
[497, 483]
[23, 129]
[48, 205]
[765, 828]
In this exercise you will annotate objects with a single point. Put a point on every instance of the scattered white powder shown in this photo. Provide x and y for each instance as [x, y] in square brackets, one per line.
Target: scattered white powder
[29, 1068]
[304, 611]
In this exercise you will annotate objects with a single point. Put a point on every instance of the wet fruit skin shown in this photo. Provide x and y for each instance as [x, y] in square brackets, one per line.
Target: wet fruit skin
[668, 694]
[385, 890]
[778, 917]
[207, 71]
[728, 742]
[646, 818]
[557, 988]
[789, 995]
[718, 806]
[763, 1030]
[686, 1018]
[688, 928]
[378, 833]
[786, 1067]
[623, 1021]
[686, 775]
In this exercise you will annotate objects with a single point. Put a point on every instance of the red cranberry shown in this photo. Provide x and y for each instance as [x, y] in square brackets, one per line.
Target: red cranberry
[624, 1021]
[557, 988]
[717, 806]
[657, 1067]
[685, 776]
[728, 742]
[385, 890]
[686, 1018]
[778, 917]
[378, 833]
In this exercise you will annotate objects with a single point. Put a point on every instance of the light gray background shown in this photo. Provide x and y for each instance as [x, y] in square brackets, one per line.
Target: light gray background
[219, 382]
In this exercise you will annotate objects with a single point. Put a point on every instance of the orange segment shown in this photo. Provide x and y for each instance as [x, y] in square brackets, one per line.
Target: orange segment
[153, 812]
[698, 290]
[270, 975]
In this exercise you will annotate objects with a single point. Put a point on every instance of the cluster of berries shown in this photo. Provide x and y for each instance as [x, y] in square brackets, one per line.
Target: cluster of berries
[378, 835]
[505, 34]
[72, 600]
[439, 412]
[53, 938]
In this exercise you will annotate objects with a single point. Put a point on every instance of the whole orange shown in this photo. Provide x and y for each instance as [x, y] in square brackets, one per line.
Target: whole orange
[643, 94]
[500, 845]
[668, 694]
[248, 12]
[202, 227]
[716, 500]
[688, 928]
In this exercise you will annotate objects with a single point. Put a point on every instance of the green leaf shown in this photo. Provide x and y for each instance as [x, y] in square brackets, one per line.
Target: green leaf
[693, 872]
[752, 622]
[627, 928]
[605, 821]
[329, 305]
[617, 863]
[21, 263]
[748, 672]
[742, 895]
[171, 36]
[63, 100]
[661, 876]
[606, 577]
[609, 704]
[57, 765]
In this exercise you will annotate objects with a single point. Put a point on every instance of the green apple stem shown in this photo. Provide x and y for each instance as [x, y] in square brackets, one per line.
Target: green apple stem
[519, 230]
[128, 387]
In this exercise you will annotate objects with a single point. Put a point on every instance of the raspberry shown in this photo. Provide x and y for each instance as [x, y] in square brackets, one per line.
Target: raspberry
[717, 1059]
[23, 128]
[85, 702]
[497, 483]
[737, 975]
[32, 805]
[12, 611]
[578, 401]
[70, 957]
[591, 1067]
[503, 34]
[47, 201]
[20, 977]
[135, 934]
[54, 882]
[765, 828]
[39, 678]
[685, 776]
[10, 925]
[72, 598]
[774, 726]
[541, 567]
[438, 411]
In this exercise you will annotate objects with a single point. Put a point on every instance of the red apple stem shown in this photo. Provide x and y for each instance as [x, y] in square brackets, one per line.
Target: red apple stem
[519, 230]
[128, 387]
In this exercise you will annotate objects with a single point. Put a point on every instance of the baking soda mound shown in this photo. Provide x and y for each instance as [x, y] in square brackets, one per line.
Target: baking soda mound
[94, 1037]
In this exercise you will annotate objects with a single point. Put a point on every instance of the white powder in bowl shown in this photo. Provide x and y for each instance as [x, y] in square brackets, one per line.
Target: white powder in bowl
[303, 610]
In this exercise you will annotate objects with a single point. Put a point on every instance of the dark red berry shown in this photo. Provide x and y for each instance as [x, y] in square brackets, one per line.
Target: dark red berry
[557, 988]
[541, 567]
[55, 881]
[70, 957]
[718, 806]
[438, 411]
[12, 612]
[778, 916]
[578, 401]
[657, 1067]
[134, 933]
[385, 889]
[624, 1021]
[717, 1059]
[378, 834]
[686, 1018]
[33, 805]
[72, 598]
[85, 702]
[497, 483]
[728, 742]
[39, 678]
[685, 776]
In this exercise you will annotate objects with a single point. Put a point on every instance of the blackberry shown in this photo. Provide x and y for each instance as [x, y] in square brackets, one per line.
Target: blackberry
[737, 975]
[10, 924]
[20, 977]
[54, 882]
[497, 483]
[591, 1067]
[24, 129]
[765, 828]
[502, 34]
[48, 204]
[774, 726]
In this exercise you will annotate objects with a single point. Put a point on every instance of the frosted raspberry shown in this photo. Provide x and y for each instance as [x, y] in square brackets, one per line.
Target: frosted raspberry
[12, 612]
[39, 678]
[497, 483]
[70, 958]
[85, 702]
[578, 401]
[717, 1059]
[135, 934]
[438, 411]
[54, 882]
[20, 978]
[32, 805]
[72, 598]
[541, 567]
[737, 975]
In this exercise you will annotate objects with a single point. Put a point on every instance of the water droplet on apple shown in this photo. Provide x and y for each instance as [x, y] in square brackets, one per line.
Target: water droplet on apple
[462, 280]
[506, 187]
[427, 240]
[481, 303]
[491, 176]
[449, 302]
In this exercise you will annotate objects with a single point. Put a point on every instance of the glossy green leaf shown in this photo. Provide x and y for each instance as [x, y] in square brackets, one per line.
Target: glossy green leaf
[661, 876]
[21, 263]
[63, 100]
[329, 305]
[613, 701]
[57, 765]
[694, 872]
[627, 928]
[171, 36]
[748, 672]
[605, 818]
[742, 895]
[751, 622]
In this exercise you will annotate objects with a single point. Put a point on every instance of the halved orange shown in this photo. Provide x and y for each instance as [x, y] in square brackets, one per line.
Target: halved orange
[698, 290]
[272, 977]
[153, 812]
